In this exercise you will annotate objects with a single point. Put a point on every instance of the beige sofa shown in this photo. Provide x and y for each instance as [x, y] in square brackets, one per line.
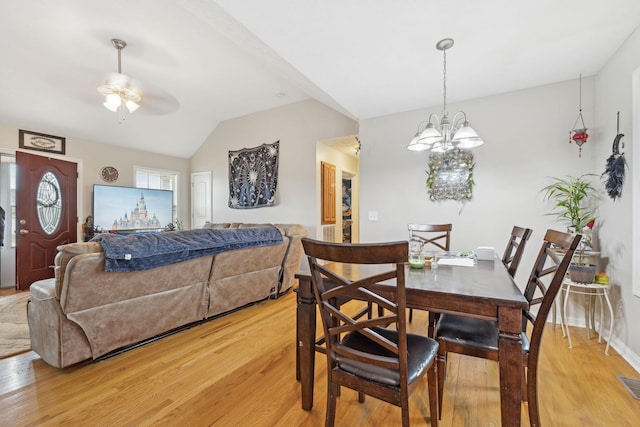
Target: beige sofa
[85, 312]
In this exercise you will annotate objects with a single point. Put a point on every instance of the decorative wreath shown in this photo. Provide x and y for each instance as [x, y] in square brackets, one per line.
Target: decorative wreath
[450, 175]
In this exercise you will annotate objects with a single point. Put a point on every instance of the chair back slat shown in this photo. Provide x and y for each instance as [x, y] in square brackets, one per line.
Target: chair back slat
[438, 235]
[515, 248]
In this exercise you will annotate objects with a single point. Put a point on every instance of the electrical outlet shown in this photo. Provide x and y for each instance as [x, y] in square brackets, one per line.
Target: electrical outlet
[373, 215]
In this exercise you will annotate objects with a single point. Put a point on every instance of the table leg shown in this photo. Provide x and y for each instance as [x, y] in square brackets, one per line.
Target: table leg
[305, 331]
[510, 363]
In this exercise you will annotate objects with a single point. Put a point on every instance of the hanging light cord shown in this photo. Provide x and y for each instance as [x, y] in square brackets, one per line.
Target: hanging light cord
[580, 111]
[581, 92]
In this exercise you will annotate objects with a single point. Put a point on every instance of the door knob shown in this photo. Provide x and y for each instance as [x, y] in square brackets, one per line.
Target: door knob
[23, 231]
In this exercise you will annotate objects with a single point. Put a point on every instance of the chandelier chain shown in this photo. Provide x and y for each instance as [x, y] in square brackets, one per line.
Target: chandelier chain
[444, 81]
[442, 134]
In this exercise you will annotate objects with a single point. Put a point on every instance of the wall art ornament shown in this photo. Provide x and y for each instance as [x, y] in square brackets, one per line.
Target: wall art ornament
[253, 176]
[579, 134]
[450, 175]
[613, 175]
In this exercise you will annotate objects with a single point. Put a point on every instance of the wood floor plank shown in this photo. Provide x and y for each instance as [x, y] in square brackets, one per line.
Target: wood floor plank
[240, 370]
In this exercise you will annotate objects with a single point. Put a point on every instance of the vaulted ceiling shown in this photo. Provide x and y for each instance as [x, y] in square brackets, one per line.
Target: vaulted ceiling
[200, 62]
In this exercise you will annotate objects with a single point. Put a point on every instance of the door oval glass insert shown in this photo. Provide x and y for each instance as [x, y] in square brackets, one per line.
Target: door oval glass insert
[49, 203]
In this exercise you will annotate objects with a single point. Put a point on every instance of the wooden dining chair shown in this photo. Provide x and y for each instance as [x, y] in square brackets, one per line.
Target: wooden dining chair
[479, 338]
[515, 248]
[438, 235]
[364, 354]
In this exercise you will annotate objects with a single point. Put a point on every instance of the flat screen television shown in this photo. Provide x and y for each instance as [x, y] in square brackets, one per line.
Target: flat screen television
[130, 209]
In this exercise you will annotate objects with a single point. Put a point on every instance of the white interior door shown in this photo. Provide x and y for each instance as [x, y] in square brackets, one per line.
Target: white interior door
[201, 199]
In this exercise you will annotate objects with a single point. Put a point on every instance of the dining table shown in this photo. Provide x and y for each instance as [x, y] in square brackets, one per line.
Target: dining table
[481, 288]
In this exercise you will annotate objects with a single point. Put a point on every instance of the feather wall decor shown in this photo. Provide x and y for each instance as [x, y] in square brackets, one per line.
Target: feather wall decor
[614, 173]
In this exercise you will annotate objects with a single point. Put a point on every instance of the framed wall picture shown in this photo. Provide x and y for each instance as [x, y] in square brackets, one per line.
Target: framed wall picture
[42, 142]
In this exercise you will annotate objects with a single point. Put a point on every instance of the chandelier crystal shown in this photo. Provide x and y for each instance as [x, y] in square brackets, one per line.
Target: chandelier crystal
[442, 134]
[118, 94]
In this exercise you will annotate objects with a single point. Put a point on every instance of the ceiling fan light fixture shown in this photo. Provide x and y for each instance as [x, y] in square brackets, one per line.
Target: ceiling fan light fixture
[116, 91]
[131, 106]
[113, 102]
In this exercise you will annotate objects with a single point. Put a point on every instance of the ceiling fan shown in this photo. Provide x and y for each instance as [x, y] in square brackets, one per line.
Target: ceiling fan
[119, 90]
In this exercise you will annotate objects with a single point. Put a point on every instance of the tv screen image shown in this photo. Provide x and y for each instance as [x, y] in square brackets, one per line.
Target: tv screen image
[131, 209]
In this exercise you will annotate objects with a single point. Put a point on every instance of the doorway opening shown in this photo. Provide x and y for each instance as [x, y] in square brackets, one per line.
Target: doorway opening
[7, 221]
[347, 209]
[344, 155]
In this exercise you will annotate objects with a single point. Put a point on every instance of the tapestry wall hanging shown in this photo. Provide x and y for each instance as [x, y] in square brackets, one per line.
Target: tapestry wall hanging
[253, 176]
[450, 175]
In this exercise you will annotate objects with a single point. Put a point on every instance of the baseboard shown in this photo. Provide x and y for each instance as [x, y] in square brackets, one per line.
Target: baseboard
[632, 358]
[623, 350]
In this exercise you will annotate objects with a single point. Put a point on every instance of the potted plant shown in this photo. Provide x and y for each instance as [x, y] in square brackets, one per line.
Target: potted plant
[574, 203]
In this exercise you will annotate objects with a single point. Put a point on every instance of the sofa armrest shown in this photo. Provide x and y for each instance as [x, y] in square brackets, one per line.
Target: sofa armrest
[293, 257]
[65, 254]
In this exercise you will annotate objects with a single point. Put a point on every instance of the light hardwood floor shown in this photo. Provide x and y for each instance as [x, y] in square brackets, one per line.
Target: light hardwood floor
[239, 370]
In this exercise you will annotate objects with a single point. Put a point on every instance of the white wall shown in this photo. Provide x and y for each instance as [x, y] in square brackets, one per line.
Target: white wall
[92, 156]
[298, 127]
[526, 136]
[613, 87]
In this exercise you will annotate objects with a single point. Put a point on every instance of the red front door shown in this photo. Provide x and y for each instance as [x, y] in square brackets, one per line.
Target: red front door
[46, 213]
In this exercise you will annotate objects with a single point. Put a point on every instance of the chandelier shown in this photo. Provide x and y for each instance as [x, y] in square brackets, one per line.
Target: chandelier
[119, 95]
[441, 135]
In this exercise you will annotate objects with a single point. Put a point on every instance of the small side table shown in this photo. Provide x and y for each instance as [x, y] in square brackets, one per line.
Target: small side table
[590, 291]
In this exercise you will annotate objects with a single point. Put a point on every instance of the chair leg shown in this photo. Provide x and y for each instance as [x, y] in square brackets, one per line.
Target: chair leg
[361, 397]
[532, 395]
[525, 394]
[410, 315]
[441, 371]
[434, 401]
[405, 413]
[332, 394]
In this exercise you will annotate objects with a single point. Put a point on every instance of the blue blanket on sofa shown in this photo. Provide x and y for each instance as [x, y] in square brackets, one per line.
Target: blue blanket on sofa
[135, 252]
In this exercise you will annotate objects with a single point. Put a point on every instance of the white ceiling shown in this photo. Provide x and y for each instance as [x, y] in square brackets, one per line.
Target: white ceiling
[200, 62]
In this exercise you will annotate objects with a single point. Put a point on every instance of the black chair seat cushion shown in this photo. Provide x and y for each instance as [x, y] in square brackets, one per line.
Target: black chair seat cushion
[421, 352]
[470, 332]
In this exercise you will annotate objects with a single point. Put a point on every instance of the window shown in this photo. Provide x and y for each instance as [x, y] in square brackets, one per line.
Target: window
[49, 203]
[160, 180]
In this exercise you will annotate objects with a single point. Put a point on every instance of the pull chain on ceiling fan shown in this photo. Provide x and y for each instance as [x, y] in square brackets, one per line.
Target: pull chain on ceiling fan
[117, 91]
